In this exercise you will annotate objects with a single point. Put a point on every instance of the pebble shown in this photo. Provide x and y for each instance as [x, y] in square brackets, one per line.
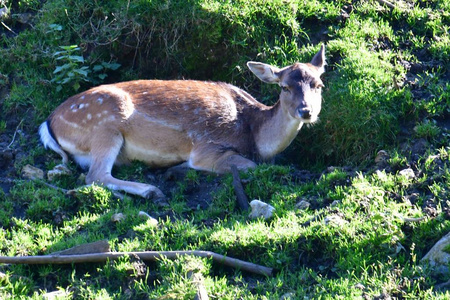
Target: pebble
[144, 215]
[408, 173]
[57, 171]
[33, 173]
[261, 209]
[303, 205]
[119, 217]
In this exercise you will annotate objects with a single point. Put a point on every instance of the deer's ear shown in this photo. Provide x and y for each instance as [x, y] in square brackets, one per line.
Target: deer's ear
[319, 59]
[265, 72]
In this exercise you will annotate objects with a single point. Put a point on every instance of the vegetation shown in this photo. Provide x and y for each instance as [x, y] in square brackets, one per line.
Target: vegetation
[387, 87]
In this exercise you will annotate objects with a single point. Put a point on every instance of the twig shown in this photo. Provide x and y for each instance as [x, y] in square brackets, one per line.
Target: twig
[6, 26]
[409, 219]
[316, 217]
[147, 255]
[442, 286]
[242, 199]
[54, 187]
[387, 3]
[15, 132]
[197, 279]
[406, 219]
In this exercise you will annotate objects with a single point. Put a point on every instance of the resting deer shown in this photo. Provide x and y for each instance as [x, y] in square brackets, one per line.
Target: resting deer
[211, 126]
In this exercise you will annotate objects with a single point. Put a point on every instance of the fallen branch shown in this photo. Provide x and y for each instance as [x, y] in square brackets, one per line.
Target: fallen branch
[145, 256]
[242, 199]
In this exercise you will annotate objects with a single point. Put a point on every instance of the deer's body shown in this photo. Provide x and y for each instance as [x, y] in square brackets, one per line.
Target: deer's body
[211, 126]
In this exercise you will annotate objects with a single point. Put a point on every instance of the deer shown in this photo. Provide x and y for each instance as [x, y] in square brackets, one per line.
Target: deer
[208, 126]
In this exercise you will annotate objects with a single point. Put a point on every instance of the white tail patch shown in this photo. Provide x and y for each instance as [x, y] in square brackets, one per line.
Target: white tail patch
[49, 141]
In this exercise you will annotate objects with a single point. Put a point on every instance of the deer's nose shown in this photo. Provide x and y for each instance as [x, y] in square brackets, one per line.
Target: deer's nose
[305, 113]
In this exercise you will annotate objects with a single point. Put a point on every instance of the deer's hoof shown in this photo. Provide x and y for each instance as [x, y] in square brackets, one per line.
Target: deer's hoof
[157, 197]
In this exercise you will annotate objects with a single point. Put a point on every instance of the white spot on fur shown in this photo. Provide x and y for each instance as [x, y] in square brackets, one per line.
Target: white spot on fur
[100, 101]
[81, 106]
[71, 124]
[89, 116]
[108, 119]
[82, 97]
[144, 93]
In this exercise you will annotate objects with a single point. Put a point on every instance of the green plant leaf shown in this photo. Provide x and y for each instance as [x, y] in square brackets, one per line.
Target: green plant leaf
[76, 58]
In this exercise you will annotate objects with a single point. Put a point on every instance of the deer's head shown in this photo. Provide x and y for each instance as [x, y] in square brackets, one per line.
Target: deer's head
[301, 86]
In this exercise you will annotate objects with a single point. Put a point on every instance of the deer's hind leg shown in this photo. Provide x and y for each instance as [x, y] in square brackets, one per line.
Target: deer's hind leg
[217, 161]
[103, 155]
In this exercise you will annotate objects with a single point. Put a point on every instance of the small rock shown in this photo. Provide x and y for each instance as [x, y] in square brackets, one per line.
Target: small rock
[288, 296]
[335, 203]
[408, 173]
[335, 220]
[61, 294]
[33, 173]
[382, 157]
[145, 215]
[4, 12]
[437, 257]
[381, 175]
[57, 171]
[261, 209]
[360, 286]
[119, 217]
[331, 169]
[302, 205]
[24, 18]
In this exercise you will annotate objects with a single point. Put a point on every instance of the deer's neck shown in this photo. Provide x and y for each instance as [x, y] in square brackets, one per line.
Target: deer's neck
[275, 131]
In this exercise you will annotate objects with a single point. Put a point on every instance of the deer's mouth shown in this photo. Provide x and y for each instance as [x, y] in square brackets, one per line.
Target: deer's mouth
[306, 115]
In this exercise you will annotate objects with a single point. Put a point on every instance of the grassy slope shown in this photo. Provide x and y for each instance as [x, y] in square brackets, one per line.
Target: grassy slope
[387, 82]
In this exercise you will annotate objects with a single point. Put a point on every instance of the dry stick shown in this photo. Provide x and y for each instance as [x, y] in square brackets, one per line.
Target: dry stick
[15, 132]
[146, 255]
[387, 3]
[9, 29]
[242, 199]
[197, 279]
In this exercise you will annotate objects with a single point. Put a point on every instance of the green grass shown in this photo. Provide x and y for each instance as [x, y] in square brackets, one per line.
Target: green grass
[371, 247]
[386, 87]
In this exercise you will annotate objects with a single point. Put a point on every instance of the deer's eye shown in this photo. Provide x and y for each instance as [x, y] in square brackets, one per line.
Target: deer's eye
[285, 88]
[316, 85]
